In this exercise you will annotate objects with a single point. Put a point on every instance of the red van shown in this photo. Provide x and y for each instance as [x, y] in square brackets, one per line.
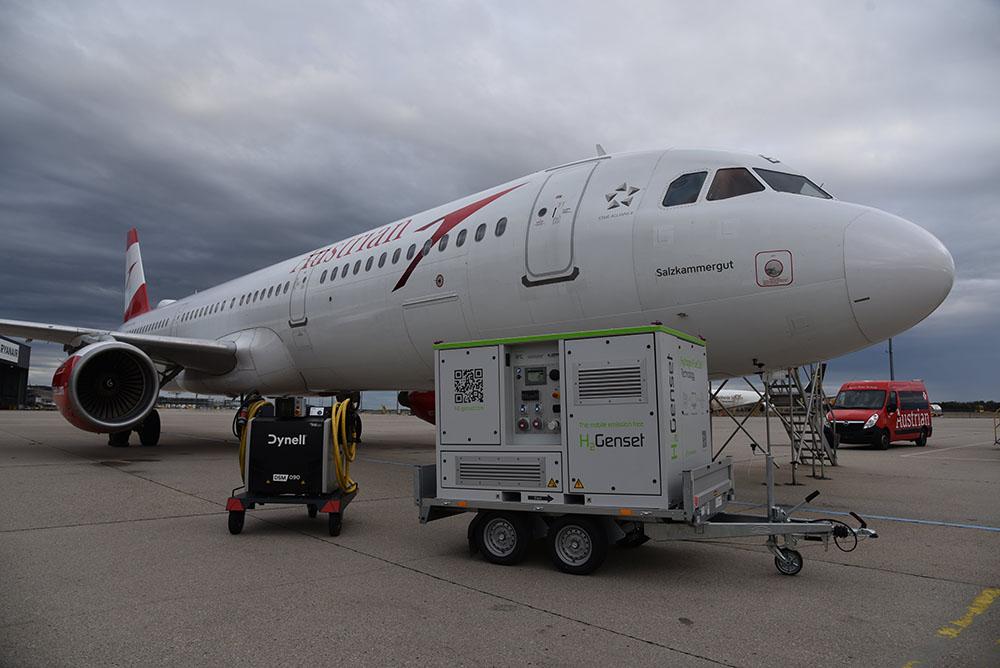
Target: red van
[881, 412]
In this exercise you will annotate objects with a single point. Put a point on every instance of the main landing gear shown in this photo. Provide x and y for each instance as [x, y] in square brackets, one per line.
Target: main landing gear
[148, 430]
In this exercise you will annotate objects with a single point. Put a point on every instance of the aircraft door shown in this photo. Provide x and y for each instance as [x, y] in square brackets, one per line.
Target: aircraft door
[297, 299]
[549, 245]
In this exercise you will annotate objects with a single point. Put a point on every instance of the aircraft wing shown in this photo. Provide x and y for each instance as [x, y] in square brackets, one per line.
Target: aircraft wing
[214, 357]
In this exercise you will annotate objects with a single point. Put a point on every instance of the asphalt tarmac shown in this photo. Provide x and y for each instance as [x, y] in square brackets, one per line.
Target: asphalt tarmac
[122, 557]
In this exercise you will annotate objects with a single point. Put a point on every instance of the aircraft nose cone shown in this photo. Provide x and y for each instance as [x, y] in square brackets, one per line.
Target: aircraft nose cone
[897, 273]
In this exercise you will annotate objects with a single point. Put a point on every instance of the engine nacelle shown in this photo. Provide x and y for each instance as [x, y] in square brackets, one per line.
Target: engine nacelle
[106, 387]
[420, 404]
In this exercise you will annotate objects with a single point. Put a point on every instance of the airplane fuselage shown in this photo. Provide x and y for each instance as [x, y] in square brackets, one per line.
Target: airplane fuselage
[769, 277]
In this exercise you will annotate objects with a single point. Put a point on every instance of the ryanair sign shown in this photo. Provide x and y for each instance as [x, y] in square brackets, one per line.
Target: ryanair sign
[9, 352]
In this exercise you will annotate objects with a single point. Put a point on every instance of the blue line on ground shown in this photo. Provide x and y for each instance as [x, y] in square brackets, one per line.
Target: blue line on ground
[888, 518]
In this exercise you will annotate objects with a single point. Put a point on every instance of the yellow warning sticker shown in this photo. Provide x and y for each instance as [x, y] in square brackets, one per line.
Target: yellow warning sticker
[552, 482]
[578, 485]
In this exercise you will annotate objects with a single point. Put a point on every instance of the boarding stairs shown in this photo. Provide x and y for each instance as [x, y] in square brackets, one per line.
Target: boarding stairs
[797, 399]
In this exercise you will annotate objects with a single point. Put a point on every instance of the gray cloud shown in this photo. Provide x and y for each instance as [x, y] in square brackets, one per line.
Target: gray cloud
[235, 135]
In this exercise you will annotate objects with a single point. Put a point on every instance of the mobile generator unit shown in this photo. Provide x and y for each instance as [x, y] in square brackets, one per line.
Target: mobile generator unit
[291, 459]
[587, 438]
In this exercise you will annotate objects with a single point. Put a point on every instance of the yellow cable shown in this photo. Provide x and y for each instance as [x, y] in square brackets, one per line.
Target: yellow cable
[344, 449]
[251, 412]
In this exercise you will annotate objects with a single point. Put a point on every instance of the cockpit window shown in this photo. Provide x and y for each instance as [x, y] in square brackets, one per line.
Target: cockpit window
[684, 189]
[733, 182]
[791, 183]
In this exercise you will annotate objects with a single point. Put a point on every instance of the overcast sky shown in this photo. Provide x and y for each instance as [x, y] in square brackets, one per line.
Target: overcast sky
[234, 135]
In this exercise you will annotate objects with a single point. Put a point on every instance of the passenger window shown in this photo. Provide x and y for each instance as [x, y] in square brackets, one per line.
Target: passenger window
[368, 264]
[381, 260]
[733, 182]
[426, 249]
[322, 277]
[410, 251]
[270, 291]
[501, 226]
[287, 283]
[255, 295]
[460, 239]
[480, 232]
[357, 267]
[395, 255]
[443, 243]
[684, 189]
[343, 270]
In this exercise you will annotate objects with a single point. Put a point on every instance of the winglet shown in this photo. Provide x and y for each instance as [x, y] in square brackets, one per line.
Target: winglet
[136, 298]
[601, 151]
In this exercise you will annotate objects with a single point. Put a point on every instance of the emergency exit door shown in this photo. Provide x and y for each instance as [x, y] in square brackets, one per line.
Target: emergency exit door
[549, 245]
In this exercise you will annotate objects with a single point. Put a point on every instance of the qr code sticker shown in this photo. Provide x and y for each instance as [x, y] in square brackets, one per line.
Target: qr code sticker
[468, 386]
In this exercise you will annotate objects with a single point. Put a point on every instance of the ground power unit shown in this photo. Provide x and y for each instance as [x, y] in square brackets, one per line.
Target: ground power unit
[290, 459]
[593, 419]
[587, 438]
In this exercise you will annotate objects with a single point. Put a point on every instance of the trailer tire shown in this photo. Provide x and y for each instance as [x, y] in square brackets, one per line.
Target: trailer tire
[791, 564]
[922, 439]
[503, 537]
[577, 545]
[236, 518]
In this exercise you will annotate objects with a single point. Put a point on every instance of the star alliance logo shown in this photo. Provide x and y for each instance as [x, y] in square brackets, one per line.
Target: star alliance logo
[621, 196]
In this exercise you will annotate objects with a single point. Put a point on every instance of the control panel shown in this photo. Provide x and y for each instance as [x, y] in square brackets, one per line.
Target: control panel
[534, 400]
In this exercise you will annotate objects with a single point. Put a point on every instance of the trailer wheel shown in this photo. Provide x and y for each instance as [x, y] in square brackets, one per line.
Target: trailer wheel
[236, 518]
[922, 440]
[791, 564]
[503, 537]
[312, 510]
[577, 545]
[335, 523]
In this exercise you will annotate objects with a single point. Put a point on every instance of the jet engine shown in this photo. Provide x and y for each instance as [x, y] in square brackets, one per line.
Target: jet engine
[106, 387]
[420, 404]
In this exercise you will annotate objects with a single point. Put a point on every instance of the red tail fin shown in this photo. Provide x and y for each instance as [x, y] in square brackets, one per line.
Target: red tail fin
[136, 299]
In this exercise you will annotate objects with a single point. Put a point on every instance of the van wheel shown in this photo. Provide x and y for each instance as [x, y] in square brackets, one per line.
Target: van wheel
[922, 441]
[882, 440]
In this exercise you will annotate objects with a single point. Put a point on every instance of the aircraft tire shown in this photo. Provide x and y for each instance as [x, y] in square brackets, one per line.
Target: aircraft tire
[149, 430]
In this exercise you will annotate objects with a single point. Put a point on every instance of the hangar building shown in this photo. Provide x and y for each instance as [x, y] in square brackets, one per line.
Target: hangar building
[14, 359]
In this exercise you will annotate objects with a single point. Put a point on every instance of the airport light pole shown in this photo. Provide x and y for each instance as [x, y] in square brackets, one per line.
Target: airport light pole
[892, 370]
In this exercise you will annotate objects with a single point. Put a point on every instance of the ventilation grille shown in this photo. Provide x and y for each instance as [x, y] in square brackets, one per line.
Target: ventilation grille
[501, 472]
[611, 384]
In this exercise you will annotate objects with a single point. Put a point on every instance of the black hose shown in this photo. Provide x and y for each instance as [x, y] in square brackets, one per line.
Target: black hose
[841, 530]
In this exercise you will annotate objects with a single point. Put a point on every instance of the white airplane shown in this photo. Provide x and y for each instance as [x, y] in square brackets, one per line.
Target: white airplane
[739, 249]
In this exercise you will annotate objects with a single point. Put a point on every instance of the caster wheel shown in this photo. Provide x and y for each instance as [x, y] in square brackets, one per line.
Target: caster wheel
[311, 509]
[791, 564]
[335, 523]
[577, 545]
[503, 537]
[236, 518]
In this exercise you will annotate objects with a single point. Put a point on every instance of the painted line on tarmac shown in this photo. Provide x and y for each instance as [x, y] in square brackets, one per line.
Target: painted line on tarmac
[939, 450]
[888, 518]
[979, 605]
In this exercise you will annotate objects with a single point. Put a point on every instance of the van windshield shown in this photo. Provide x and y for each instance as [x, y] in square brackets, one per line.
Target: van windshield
[860, 399]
